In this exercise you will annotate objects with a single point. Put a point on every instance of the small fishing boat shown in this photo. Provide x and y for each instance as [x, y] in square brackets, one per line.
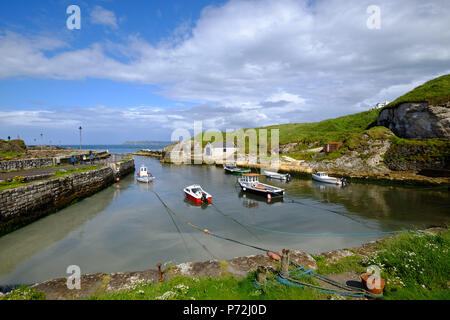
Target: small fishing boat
[144, 176]
[323, 177]
[197, 194]
[249, 183]
[229, 168]
[276, 175]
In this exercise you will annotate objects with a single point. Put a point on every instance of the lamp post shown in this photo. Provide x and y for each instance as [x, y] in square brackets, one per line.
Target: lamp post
[80, 128]
[42, 141]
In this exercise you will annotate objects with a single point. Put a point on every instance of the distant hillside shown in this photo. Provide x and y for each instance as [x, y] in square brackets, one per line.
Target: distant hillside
[436, 91]
[146, 142]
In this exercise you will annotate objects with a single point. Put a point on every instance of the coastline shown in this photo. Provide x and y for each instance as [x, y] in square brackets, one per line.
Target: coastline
[411, 178]
[336, 262]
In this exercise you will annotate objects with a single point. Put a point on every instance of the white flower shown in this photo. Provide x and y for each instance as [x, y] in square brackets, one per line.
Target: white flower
[167, 295]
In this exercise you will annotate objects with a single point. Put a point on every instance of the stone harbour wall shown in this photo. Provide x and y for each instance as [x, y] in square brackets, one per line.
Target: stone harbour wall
[25, 164]
[22, 205]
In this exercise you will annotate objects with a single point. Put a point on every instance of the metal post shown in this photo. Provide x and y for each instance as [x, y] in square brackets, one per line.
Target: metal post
[80, 128]
[285, 263]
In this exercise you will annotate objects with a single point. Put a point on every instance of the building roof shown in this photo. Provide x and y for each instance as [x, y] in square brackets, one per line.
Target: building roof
[222, 145]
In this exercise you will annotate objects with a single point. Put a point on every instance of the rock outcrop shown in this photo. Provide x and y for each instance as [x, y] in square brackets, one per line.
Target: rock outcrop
[12, 146]
[417, 120]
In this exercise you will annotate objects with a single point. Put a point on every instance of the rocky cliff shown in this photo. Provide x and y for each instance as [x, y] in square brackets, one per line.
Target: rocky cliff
[417, 120]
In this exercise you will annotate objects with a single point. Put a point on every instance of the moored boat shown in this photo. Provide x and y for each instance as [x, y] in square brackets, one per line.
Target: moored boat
[323, 177]
[144, 176]
[229, 168]
[250, 183]
[197, 194]
[276, 175]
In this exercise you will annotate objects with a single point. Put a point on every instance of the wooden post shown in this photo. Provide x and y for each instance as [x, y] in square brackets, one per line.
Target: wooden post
[160, 278]
[261, 276]
[285, 263]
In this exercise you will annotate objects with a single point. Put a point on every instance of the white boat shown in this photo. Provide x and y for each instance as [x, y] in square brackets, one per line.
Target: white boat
[249, 183]
[276, 175]
[197, 194]
[144, 176]
[323, 177]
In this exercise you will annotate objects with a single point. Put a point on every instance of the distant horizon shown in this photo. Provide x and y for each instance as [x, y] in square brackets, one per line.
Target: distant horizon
[146, 68]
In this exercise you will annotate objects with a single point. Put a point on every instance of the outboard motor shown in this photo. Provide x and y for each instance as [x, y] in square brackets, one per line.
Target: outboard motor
[204, 199]
[288, 177]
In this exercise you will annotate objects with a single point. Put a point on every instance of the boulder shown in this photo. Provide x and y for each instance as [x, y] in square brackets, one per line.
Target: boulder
[417, 120]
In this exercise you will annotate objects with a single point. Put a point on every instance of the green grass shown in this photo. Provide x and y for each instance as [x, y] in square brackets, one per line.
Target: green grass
[318, 133]
[351, 263]
[61, 173]
[416, 266]
[434, 92]
[13, 184]
[426, 152]
[331, 130]
[24, 293]
[186, 288]
[18, 181]
[9, 155]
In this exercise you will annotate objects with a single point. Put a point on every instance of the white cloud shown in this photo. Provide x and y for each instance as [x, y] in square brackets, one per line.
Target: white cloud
[252, 63]
[100, 15]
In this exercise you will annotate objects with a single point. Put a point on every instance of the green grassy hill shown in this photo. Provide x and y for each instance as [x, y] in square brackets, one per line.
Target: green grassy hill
[435, 91]
[343, 128]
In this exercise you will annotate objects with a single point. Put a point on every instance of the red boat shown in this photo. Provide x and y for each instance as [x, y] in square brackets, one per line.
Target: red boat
[197, 194]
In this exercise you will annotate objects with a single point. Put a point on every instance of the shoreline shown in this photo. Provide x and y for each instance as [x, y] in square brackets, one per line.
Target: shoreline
[23, 204]
[400, 178]
[239, 268]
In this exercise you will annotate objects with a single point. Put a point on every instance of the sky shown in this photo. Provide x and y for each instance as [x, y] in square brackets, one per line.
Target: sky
[139, 69]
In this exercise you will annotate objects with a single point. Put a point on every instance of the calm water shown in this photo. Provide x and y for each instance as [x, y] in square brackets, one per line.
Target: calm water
[128, 229]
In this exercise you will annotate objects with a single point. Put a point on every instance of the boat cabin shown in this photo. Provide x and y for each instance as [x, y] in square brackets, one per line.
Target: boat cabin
[322, 174]
[143, 172]
[250, 177]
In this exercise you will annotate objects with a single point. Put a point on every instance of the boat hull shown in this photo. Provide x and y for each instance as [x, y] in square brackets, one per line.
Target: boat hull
[237, 171]
[263, 193]
[145, 179]
[329, 180]
[278, 176]
[197, 200]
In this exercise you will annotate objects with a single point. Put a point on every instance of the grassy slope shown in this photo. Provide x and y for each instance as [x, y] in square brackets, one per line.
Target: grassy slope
[434, 92]
[324, 131]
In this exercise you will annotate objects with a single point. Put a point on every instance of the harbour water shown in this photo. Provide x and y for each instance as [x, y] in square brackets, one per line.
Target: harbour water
[125, 227]
[122, 148]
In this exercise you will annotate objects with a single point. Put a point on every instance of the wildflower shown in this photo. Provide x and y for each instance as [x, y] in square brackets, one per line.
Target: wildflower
[167, 295]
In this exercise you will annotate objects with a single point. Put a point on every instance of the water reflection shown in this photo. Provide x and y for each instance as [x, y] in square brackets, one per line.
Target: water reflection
[25, 242]
[127, 228]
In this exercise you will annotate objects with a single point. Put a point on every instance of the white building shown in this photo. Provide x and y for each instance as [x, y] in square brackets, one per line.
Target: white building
[219, 151]
[380, 105]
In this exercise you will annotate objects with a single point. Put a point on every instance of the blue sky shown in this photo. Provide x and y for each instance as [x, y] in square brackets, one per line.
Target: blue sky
[137, 70]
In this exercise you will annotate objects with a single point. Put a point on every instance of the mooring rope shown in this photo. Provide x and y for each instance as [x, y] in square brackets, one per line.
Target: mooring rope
[233, 219]
[204, 230]
[285, 280]
[299, 234]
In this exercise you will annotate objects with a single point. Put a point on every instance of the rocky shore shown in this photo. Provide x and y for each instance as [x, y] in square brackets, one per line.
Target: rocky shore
[240, 267]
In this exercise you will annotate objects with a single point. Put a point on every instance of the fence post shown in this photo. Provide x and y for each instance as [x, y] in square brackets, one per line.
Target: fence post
[285, 263]
[261, 276]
